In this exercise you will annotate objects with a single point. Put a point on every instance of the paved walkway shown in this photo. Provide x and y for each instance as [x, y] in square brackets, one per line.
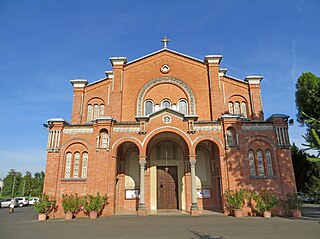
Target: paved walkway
[23, 224]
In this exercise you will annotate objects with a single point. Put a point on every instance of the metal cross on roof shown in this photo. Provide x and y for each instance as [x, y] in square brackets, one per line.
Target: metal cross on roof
[165, 40]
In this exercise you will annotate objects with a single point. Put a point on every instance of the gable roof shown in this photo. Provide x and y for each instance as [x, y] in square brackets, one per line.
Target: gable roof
[163, 50]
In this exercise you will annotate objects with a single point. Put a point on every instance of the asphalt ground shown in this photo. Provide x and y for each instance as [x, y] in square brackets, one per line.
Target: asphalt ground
[24, 224]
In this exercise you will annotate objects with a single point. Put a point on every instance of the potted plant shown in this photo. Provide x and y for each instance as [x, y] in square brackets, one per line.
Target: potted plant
[93, 205]
[235, 201]
[71, 204]
[45, 205]
[266, 202]
[294, 203]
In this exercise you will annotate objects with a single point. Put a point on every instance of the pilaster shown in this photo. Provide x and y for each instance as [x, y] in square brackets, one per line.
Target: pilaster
[215, 88]
[255, 96]
[78, 97]
[118, 64]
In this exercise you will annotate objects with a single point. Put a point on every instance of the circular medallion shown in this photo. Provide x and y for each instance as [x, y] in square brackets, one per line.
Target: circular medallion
[165, 69]
[166, 119]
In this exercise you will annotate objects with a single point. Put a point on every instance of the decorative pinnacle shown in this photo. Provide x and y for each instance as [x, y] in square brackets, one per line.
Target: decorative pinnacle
[165, 40]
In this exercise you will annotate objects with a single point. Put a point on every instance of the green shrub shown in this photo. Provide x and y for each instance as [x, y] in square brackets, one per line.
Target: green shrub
[235, 199]
[45, 204]
[293, 201]
[71, 203]
[94, 203]
[267, 201]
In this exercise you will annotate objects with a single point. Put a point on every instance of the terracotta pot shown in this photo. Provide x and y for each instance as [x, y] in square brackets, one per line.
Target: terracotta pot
[296, 213]
[68, 216]
[267, 214]
[42, 217]
[226, 212]
[237, 212]
[93, 214]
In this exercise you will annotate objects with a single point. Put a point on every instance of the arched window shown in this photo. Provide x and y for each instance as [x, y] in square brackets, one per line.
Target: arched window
[183, 107]
[102, 110]
[104, 139]
[237, 108]
[68, 165]
[148, 107]
[166, 104]
[96, 111]
[230, 105]
[269, 162]
[90, 112]
[252, 164]
[76, 165]
[231, 137]
[84, 165]
[243, 109]
[260, 162]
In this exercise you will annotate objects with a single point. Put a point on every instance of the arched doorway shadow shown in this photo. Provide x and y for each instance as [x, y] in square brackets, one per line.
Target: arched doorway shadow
[208, 176]
[127, 178]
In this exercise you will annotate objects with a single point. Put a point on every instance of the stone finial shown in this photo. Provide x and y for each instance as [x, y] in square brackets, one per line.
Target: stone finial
[222, 71]
[165, 41]
[213, 59]
[109, 74]
[253, 79]
[79, 83]
[118, 61]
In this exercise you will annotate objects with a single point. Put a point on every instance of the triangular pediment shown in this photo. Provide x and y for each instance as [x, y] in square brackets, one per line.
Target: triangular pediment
[165, 50]
[167, 111]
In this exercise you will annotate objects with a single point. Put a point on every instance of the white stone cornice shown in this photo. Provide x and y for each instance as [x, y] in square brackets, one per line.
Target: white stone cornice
[109, 74]
[78, 131]
[222, 71]
[253, 79]
[79, 83]
[118, 61]
[213, 59]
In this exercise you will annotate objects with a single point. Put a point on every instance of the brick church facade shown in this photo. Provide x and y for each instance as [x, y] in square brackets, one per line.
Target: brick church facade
[167, 131]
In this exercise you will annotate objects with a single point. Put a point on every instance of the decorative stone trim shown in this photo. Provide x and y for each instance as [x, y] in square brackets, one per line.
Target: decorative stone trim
[263, 177]
[166, 119]
[73, 179]
[166, 79]
[77, 131]
[257, 127]
[126, 129]
[208, 128]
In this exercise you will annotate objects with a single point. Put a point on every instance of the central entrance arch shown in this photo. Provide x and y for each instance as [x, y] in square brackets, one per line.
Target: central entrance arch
[168, 163]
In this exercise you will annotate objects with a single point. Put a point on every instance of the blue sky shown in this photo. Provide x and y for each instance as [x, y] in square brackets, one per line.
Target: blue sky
[44, 44]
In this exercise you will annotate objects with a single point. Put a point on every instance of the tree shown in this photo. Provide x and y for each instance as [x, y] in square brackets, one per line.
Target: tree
[308, 97]
[11, 184]
[308, 105]
[307, 174]
[37, 187]
[15, 185]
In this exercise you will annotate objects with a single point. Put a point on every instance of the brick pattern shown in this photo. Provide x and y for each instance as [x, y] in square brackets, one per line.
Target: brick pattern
[212, 94]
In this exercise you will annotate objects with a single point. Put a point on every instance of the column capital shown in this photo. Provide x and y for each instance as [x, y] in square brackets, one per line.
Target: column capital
[142, 163]
[192, 157]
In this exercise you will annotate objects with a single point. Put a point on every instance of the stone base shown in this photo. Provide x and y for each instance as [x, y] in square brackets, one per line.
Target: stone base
[142, 211]
[194, 212]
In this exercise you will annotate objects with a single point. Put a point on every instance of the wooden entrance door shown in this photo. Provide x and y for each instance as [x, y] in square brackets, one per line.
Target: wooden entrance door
[167, 188]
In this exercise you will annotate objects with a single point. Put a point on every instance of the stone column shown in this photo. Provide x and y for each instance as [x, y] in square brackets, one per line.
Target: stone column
[142, 205]
[194, 203]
